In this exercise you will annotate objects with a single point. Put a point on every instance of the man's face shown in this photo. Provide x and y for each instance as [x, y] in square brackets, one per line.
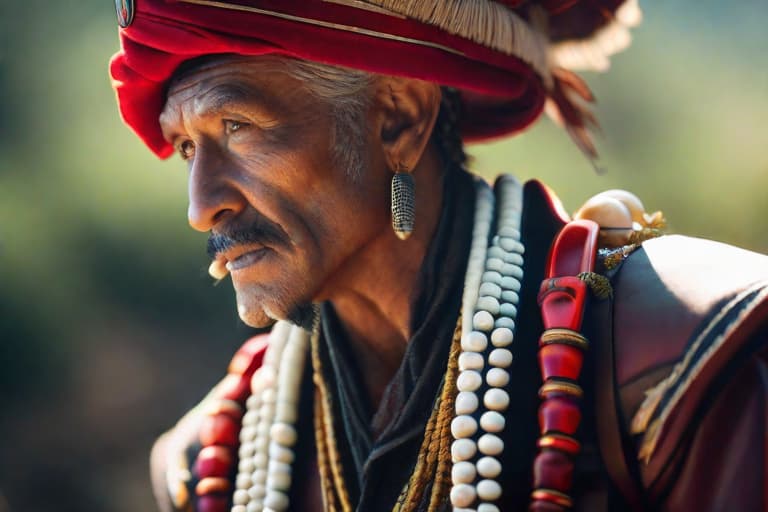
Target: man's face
[263, 180]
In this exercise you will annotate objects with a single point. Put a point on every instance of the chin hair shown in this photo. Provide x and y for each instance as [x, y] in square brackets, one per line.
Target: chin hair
[304, 315]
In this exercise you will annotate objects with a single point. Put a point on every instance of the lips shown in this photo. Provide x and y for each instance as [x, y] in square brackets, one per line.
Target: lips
[246, 259]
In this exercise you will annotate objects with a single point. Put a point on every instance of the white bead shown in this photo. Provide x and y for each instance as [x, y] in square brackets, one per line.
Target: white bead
[496, 399]
[489, 304]
[486, 507]
[261, 444]
[510, 296]
[508, 310]
[243, 481]
[482, 321]
[281, 453]
[259, 461]
[496, 252]
[510, 270]
[463, 426]
[279, 481]
[246, 466]
[511, 245]
[501, 337]
[492, 421]
[266, 411]
[250, 418]
[255, 506]
[491, 290]
[469, 380]
[246, 449]
[269, 396]
[505, 322]
[286, 412]
[489, 467]
[510, 283]
[257, 491]
[508, 232]
[463, 449]
[471, 361]
[259, 476]
[262, 429]
[500, 357]
[475, 341]
[283, 433]
[490, 444]
[492, 277]
[497, 377]
[466, 402]
[463, 473]
[276, 500]
[488, 490]
[463, 495]
[240, 497]
[247, 434]
[253, 402]
[276, 466]
[514, 259]
[495, 264]
[239, 508]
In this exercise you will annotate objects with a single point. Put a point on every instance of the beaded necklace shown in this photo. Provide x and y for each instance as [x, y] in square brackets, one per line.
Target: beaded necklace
[457, 445]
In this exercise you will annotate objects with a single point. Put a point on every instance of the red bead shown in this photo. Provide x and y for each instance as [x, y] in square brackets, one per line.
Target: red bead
[214, 461]
[553, 470]
[558, 360]
[250, 356]
[559, 414]
[224, 406]
[234, 387]
[219, 429]
[212, 503]
[213, 485]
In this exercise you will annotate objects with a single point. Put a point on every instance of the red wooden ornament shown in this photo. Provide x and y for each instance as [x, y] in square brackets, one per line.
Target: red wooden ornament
[559, 360]
[559, 414]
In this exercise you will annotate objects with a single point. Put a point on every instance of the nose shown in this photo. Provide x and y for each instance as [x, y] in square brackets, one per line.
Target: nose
[213, 194]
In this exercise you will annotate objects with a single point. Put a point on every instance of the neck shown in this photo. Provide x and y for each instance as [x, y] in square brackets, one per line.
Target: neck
[374, 294]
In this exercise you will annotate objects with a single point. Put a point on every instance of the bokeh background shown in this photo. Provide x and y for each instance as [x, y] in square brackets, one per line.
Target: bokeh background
[110, 327]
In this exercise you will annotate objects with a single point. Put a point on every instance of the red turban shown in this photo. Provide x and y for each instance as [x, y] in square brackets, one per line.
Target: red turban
[507, 57]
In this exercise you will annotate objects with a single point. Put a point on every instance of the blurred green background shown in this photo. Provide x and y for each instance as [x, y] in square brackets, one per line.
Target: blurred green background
[110, 327]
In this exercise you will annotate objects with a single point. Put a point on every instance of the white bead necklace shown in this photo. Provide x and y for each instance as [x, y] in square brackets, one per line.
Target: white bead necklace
[490, 300]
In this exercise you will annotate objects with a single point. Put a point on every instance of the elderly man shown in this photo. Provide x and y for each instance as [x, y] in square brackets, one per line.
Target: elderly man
[430, 350]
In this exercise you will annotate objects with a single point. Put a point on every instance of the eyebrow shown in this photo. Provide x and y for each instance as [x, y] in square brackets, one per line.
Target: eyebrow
[222, 97]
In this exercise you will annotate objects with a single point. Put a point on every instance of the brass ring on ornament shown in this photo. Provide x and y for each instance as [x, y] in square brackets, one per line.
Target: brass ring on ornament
[564, 337]
[552, 496]
[560, 386]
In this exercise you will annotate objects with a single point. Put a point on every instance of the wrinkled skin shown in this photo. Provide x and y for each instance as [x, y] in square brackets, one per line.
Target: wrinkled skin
[259, 153]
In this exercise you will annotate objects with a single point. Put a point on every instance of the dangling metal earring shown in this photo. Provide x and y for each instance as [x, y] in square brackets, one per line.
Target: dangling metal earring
[403, 204]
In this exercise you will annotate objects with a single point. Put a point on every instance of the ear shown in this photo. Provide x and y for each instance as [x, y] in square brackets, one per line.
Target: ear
[407, 110]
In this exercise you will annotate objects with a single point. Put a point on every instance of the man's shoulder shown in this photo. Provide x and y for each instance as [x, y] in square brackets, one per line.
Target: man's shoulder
[686, 313]
[667, 290]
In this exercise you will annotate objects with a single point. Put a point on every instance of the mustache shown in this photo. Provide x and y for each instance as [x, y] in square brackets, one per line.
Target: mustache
[261, 232]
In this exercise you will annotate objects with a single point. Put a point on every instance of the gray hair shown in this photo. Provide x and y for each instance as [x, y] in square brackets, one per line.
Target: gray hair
[348, 92]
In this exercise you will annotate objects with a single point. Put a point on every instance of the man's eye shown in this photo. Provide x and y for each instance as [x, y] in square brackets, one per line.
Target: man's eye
[186, 149]
[231, 126]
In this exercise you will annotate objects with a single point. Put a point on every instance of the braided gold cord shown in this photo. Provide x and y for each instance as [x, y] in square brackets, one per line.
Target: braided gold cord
[442, 481]
[324, 429]
[433, 463]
